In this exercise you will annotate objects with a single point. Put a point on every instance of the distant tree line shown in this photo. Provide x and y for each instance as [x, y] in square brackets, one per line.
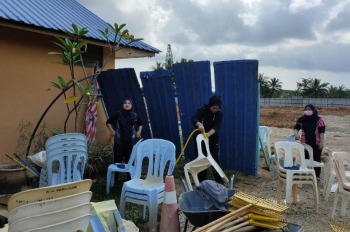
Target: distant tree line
[307, 88]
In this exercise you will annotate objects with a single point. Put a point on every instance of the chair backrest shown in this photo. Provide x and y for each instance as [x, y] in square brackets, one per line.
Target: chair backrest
[341, 164]
[71, 166]
[46, 206]
[133, 153]
[75, 224]
[264, 133]
[290, 138]
[159, 153]
[67, 138]
[49, 218]
[46, 193]
[201, 140]
[290, 153]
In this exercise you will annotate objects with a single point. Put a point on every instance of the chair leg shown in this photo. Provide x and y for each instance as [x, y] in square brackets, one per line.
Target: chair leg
[108, 181]
[336, 197]
[153, 213]
[279, 191]
[327, 189]
[316, 199]
[344, 204]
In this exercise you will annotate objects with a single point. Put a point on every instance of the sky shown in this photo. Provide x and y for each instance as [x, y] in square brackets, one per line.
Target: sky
[291, 39]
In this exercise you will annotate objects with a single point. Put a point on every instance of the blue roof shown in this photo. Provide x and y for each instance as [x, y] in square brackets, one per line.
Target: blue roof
[59, 15]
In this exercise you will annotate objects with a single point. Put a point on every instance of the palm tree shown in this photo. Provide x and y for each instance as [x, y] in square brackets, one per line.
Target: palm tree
[263, 81]
[158, 66]
[275, 87]
[337, 92]
[313, 88]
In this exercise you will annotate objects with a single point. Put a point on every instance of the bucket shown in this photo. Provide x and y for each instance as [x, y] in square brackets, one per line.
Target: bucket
[11, 178]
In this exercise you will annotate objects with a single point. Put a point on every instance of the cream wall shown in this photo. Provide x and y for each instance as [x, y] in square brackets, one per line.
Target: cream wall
[26, 69]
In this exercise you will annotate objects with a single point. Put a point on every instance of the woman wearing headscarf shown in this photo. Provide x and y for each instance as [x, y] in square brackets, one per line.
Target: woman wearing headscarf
[207, 119]
[312, 129]
[126, 127]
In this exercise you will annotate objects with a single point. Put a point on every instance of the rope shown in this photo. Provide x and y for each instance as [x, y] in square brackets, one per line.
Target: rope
[188, 139]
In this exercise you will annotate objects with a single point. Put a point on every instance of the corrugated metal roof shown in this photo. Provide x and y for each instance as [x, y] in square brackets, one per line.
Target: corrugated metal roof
[59, 15]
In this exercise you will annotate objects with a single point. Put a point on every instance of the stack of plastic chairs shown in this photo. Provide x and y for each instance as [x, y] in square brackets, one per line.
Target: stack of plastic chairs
[63, 207]
[119, 167]
[292, 169]
[149, 191]
[201, 163]
[66, 157]
[341, 162]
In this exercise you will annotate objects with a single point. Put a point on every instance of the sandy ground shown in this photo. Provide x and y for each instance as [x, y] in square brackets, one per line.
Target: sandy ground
[265, 185]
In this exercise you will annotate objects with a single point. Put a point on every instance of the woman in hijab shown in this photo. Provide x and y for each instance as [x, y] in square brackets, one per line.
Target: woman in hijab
[312, 129]
[126, 128]
[207, 119]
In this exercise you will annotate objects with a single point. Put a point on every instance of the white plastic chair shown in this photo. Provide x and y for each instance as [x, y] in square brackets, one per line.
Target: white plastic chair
[46, 206]
[47, 193]
[149, 191]
[119, 167]
[311, 163]
[201, 163]
[341, 162]
[330, 175]
[290, 138]
[291, 154]
[75, 224]
[49, 218]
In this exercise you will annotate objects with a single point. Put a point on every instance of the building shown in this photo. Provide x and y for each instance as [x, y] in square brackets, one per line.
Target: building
[27, 32]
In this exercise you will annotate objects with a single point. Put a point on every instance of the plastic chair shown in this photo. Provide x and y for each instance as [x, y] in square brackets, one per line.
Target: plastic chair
[149, 191]
[119, 167]
[49, 218]
[65, 138]
[264, 134]
[311, 162]
[75, 224]
[293, 170]
[46, 193]
[57, 146]
[341, 162]
[290, 138]
[330, 175]
[71, 166]
[42, 207]
[201, 163]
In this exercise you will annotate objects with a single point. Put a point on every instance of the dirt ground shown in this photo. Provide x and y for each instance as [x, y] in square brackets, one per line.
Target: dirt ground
[281, 121]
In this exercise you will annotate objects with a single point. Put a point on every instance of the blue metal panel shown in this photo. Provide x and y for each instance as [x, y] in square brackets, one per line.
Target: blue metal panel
[159, 93]
[59, 15]
[237, 82]
[119, 84]
[193, 87]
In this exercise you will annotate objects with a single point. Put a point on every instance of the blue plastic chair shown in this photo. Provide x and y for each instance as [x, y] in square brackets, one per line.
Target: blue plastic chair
[149, 191]
[66, 157]
[66, 137]
[120, 167]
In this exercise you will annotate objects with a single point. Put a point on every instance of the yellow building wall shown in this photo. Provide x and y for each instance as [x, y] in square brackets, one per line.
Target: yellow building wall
[26, 69]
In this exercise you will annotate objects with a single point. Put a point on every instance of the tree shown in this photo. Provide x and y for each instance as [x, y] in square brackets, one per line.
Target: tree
[263, 82]
[158, 66]
[169, 61]
[312, 88]
[274, 87]
[337, 92]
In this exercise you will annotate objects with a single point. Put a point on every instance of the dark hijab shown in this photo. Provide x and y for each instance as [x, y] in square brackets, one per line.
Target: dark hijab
[309, 124]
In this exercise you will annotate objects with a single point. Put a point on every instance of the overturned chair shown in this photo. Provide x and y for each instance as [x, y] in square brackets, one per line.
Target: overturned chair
[201, 163]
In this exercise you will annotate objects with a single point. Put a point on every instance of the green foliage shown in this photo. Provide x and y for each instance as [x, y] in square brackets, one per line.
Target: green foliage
[99, 159]
[269, 87]
[312, 88]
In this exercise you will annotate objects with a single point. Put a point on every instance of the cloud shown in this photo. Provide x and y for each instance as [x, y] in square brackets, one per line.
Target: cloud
[308, 35]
